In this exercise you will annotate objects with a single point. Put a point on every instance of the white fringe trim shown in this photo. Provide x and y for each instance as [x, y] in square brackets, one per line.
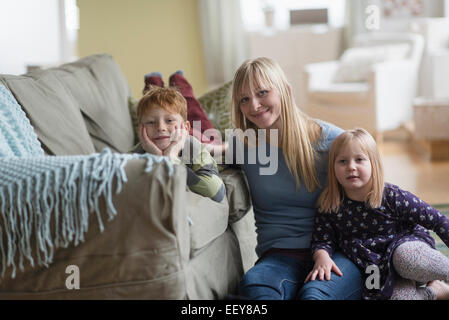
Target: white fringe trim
[63, 190]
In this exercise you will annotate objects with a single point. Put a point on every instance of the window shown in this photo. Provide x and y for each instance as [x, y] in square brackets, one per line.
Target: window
[253, 12]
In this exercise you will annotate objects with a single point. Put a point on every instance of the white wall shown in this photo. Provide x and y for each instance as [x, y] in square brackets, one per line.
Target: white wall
[431, 8]
[296, 47]
[29, 34]
[398, 23]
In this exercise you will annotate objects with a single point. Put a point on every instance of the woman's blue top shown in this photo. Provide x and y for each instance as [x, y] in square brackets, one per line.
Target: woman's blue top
[284, 215]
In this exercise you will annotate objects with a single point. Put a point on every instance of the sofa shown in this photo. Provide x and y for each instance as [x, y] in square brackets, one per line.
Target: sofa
[164, 242]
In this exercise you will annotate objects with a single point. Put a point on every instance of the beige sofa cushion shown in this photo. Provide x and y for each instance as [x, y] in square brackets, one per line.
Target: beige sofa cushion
[208, 219]
[102, 91]
[53, 113]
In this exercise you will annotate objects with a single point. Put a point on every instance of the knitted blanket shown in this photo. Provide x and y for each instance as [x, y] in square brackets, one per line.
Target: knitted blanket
[47, 200]
[17, 137]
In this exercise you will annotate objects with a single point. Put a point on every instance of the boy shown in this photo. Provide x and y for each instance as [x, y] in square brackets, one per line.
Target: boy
[163, 130]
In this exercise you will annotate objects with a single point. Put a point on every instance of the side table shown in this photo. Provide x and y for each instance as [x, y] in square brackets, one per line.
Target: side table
[431, 127]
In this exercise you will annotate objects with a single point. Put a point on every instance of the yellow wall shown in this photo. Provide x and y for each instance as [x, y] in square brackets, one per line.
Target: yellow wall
[145, 36]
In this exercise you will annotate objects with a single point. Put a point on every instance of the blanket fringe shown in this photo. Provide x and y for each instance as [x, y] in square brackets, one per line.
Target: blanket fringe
[49, 199]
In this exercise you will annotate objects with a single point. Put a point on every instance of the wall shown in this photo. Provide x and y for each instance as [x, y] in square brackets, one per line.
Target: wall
[430, 8]
[29, 34]
[287, 48]
[398, 23]
[145, 36]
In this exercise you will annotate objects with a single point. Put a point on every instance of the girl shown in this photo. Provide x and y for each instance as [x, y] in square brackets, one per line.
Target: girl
[377, 225]
[283, 200]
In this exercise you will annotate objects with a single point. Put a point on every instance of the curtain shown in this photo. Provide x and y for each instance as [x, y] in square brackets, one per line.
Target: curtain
[223, 39]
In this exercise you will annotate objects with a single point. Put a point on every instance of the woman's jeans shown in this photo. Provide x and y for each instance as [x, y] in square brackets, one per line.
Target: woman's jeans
[281, 277]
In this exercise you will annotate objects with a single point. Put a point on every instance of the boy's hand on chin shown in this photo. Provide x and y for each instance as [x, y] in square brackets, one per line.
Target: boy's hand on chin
[177, 141]
[147, 144]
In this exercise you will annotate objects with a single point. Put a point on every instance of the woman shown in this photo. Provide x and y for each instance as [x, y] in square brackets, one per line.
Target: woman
[284, 202]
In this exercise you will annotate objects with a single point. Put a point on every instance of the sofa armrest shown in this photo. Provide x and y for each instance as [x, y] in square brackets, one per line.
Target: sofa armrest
[435, 76]
[157, 200]
[237, 193]
[146, 241]
[395, 85]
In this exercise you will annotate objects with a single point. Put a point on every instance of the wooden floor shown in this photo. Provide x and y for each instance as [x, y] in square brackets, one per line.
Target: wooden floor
[403, 166]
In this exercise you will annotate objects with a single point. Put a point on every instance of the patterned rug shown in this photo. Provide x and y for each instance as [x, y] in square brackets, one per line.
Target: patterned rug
[439, 243]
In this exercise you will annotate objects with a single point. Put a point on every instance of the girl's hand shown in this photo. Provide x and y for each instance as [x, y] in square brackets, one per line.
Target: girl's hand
[323, 267]
[147, 144]
[178, 139]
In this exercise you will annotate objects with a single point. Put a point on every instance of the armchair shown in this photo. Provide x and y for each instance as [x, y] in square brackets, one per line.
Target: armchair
[434, 80]
[377, 92]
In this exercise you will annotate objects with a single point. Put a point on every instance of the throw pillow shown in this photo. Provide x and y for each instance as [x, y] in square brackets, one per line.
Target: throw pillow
[101, 90]
[356, 63]
[53, 111]
[17, 136]
[217, 104]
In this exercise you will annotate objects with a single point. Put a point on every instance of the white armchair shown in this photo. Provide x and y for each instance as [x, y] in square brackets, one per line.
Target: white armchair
[434, 80]
[378, 91]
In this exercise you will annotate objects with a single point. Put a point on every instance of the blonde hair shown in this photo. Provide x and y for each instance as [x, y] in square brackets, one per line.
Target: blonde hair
[168, 99]
[298, 133]
[332, 196]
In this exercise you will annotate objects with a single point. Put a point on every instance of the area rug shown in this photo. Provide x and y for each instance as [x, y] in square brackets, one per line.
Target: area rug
[440, 245]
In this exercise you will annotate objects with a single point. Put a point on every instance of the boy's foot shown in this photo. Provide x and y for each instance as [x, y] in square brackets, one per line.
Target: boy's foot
[152, 79]
[178, 80]
[153, 74]
[440, 288]
[194, 110]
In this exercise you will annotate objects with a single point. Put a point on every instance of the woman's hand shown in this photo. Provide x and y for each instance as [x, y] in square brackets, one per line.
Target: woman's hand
[177, 141]
[323, 267]
[147, 144]
[216, 149]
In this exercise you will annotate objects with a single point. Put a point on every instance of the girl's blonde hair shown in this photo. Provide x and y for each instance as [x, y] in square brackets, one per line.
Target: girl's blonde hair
[332, 196]
[298, 132]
